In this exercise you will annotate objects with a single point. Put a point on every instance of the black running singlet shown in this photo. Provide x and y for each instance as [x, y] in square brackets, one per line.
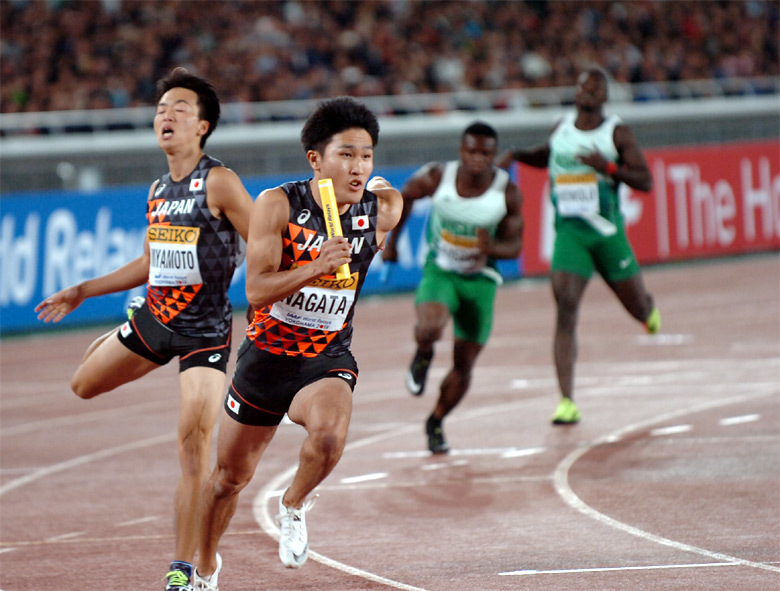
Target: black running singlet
[193, 256]
[317, 319]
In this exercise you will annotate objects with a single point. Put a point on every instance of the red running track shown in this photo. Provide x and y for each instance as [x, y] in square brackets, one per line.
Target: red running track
[670, 481]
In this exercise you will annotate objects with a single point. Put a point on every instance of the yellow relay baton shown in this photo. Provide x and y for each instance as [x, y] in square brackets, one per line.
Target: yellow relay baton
[332, 220]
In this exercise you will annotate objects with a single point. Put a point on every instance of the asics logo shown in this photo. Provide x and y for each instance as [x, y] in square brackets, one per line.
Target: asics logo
[214, 358]
[345, 375]
[304, 215]
[159, 190]
[624, 263]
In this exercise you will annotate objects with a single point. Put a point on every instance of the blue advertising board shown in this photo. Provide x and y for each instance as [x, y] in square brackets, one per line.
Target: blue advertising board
[56, 239]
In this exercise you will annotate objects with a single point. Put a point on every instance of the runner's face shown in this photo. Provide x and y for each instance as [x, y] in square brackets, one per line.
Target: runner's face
[177, 120]
[348, 159]
[477, 153]
[591, 92]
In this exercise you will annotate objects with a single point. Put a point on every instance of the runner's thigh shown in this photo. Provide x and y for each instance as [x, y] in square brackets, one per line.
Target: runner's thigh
[202, 392]
[109, 366]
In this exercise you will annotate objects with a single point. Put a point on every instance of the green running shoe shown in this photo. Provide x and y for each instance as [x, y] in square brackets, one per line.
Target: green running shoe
[653, 322]
[179, 576]
[567, 413]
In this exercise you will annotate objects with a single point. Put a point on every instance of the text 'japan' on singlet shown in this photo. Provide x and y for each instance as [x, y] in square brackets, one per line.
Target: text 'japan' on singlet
[317, 319]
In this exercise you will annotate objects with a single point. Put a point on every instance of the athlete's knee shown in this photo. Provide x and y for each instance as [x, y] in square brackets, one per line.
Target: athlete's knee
[568, 290]
[83, 387]
[463, 375]
[567, 302]
[327, 443]
[80, 389]
[458, 378]
[228, 482]
[427, 333]
[194, 447]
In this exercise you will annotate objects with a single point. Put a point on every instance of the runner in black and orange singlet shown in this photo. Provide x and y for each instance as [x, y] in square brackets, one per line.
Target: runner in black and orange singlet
[197, 213]
[296, 357]
[192, 255]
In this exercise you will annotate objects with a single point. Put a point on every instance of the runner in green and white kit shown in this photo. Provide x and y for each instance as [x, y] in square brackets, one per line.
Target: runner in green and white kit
[476, 218]
[588, 156]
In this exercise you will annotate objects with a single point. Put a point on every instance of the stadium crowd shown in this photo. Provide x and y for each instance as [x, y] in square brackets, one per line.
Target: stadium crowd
[89, 54]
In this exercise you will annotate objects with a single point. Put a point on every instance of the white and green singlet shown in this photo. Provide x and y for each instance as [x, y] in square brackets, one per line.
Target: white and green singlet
[578, 191]
[452, 229]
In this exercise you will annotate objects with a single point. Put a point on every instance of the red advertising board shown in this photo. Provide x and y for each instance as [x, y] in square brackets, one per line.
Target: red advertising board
[706, 201]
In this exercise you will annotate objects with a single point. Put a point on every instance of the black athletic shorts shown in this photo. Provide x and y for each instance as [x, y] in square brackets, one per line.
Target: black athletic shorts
[264, 384]
[148, 337]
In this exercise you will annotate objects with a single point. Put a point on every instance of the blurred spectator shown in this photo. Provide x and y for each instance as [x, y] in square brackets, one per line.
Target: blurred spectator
[84, 54]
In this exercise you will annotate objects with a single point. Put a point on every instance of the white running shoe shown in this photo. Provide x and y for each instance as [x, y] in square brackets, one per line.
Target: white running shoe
[208, 583]
[293, 538]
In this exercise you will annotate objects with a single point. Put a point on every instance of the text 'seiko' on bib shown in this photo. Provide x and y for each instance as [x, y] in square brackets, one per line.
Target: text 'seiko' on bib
[174, 255]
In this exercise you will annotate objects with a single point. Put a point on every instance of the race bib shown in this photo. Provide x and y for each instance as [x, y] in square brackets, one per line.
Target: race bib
[459, 254]
[174, 255]
[321, 305]
[577, 194]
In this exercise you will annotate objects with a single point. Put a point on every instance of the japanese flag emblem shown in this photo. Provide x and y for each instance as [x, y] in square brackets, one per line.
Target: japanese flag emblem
[360, 222]
[196, 185]
[233, 404]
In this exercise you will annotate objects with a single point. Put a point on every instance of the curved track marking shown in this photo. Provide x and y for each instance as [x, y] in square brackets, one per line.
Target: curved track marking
[561, 481]
[268, 524]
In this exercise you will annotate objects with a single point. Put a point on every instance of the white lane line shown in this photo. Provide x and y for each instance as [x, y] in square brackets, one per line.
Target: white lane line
[138, 521]
[562, 487]
[444, 465]
[442, 482]
[260, 510]
[268, 524]
[85, 459]
[75, 534]
[727, 422]
[504, 452]
[528, 383]
[665, 339]
[521, 453]
[673, 430]
[364, 478]
[614, 568]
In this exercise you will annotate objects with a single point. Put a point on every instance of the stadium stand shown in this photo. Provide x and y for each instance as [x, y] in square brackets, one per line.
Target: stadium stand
[59, 55]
